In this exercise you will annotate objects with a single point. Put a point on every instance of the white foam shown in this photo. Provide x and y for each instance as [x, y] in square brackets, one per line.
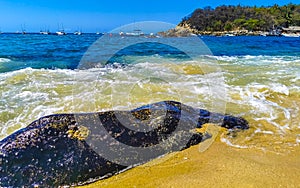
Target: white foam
[259, 60]
[42, 110]
[263, 132]
[258, 99]
[280, 88]
[226, 141]
[4, 60]
[226, 58]
[256, 96]
[297, 78]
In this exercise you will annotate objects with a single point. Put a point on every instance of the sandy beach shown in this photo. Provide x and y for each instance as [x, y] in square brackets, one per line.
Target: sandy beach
[219, 166]
[262, 83]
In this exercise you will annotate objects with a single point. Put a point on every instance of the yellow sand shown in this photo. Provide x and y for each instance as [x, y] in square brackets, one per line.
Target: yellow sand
[218, 166]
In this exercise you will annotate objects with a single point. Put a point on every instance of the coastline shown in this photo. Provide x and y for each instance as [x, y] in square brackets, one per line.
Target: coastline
[219, 166]
[186, 30]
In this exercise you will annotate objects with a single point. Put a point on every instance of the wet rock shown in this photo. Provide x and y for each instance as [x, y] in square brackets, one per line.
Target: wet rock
[68, 149]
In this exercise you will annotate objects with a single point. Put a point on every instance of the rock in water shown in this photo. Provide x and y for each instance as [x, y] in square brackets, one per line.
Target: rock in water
[67, 149]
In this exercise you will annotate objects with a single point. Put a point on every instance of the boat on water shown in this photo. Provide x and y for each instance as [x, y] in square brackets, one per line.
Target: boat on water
[291, 34]
[77, 33]
[61, 31]
[135, 33]
[45, 32]
[292, 31]
[23, 30]
[229, 35]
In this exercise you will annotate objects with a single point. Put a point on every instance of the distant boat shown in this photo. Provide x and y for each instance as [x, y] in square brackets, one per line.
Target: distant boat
[45, 32]
[136, 32]
[77, 33]
[23, 32]
[291, 31]
[229, 35]
[99, 33]
[152, 35]
[61, 31]
[23, 29]
[291, 34]
[264, 34]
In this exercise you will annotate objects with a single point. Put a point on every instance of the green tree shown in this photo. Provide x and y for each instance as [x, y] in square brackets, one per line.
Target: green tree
[225, 18]
[228, 26]
[217, 26]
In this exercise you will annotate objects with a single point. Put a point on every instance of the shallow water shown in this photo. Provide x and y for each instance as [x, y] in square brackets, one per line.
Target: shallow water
[254, 77]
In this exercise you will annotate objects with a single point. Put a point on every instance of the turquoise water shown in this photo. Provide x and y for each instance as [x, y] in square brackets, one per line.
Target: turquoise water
[42, 51]
[254, 77]
[65, 52]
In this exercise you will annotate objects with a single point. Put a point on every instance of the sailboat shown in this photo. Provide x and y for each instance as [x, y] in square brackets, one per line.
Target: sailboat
[136, 32]
[45, 32]
[23, 29]
[61, 31]
[78, 32]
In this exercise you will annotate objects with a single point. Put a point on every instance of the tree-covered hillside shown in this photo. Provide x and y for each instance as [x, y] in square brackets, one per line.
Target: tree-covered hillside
[228, 18]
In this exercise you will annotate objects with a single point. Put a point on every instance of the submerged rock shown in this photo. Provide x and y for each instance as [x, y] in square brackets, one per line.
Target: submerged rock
[68, 149]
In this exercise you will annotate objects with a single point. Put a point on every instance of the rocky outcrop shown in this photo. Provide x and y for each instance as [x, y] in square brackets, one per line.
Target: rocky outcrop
[69, 149]
[178, 31]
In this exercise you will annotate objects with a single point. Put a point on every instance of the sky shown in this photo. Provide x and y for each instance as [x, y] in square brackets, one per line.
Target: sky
[102, 15]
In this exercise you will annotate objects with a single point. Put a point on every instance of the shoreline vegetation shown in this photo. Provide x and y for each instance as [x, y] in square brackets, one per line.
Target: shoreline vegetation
[240, 20]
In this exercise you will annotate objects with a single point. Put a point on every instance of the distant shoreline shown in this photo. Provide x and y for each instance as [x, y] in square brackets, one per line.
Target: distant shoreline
[180, 31]
[37, 33]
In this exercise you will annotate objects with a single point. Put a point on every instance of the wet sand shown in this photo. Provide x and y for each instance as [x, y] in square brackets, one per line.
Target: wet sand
[219, 166]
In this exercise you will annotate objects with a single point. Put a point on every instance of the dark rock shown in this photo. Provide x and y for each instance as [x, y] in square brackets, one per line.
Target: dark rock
[67, 149]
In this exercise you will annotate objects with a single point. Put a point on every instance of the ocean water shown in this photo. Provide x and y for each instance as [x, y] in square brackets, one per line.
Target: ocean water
[254, 77]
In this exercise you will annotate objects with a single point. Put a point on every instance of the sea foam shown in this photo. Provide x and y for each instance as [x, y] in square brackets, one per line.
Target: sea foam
[4, 60]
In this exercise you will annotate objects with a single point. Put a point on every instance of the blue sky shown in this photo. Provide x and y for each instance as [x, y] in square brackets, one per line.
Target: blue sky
[99, 15]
